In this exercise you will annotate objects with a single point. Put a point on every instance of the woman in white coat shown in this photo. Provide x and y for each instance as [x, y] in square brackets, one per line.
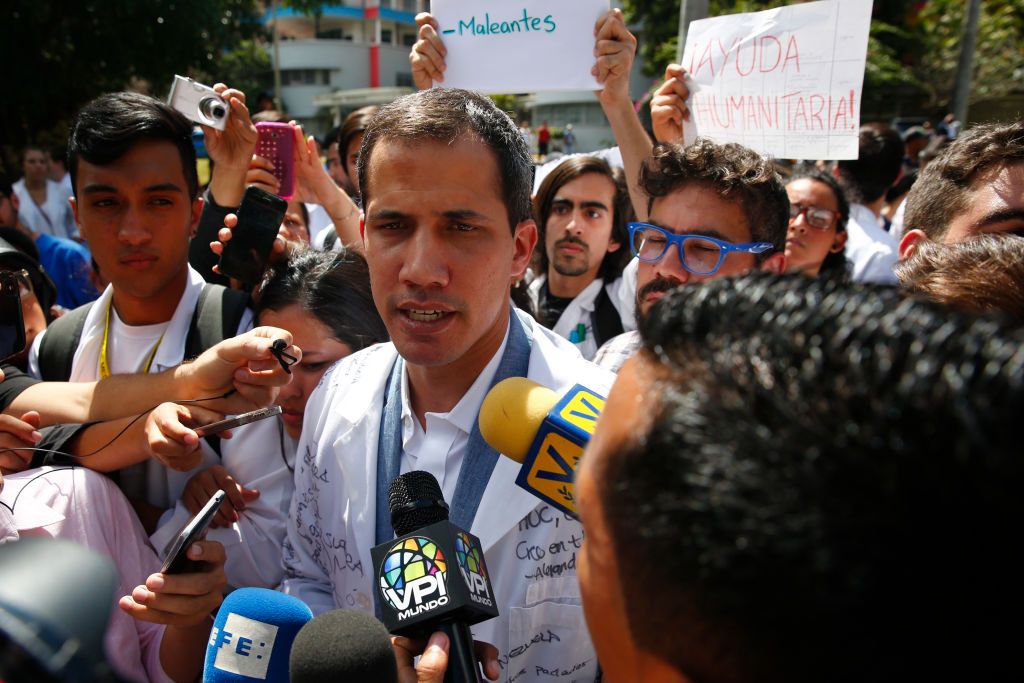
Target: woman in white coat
[323, 299]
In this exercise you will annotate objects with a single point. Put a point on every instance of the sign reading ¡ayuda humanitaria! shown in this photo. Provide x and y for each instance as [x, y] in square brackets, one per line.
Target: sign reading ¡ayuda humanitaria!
[786, 82]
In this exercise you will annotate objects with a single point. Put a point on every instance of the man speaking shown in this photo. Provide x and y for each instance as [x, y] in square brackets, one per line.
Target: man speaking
[446, 182]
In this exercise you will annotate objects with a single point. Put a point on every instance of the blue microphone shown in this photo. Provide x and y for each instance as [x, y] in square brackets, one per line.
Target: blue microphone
[252, 637]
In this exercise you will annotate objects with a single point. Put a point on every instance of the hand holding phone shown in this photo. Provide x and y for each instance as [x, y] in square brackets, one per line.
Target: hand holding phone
[175, 559]
[237, 421]
[246, 255]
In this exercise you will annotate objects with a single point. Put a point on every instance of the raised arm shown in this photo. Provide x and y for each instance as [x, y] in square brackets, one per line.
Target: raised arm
[615, 48]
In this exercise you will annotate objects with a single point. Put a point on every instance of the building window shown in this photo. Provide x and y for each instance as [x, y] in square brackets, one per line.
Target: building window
[409, 39]
[305, 76]
[385, 36]
[403, 80]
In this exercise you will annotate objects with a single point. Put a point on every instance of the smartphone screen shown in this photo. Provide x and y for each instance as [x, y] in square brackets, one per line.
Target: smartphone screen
[246, 254]
[12, 325]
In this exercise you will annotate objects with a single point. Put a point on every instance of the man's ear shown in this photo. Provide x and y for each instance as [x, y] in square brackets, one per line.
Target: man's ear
[524, 239]
[73, 201]
[776, 263]
[613, 246]
[909, 243]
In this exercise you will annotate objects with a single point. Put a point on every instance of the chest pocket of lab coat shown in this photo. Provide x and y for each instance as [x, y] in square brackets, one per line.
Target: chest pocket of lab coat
[548, 638]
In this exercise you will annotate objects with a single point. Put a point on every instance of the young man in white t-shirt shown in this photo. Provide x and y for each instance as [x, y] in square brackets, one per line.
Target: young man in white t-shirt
[137, 203]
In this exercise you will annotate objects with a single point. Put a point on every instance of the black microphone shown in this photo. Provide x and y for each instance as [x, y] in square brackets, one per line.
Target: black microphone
[342, 645]
[419, 592]
[55, 601]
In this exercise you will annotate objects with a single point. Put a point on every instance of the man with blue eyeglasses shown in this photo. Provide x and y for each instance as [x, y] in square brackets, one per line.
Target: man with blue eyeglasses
[714, 210]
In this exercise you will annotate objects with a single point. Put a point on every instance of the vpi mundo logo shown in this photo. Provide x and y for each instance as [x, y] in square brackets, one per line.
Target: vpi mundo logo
[412, 577]
[243, 646]
[471, 564]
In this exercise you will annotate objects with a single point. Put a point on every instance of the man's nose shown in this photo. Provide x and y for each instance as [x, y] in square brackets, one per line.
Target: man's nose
[132, 229]
[424, 262]
[670, 267]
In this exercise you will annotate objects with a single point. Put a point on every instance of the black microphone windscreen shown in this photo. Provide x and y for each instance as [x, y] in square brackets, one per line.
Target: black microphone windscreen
[416, 501]
[55, 602]
[343, 645]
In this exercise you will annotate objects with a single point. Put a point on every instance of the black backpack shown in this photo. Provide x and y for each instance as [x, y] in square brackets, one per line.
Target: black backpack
[218, 313]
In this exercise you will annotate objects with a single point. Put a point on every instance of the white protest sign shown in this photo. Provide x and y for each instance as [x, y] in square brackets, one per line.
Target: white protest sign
[786, 82]
[511, 46]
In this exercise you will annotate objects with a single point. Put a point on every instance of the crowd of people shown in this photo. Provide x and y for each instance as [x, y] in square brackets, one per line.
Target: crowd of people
[806, 468]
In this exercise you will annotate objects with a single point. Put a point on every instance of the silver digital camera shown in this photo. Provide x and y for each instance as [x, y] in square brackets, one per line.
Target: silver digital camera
[199, 103]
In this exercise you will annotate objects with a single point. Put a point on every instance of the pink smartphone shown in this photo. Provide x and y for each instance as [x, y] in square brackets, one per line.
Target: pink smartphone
[277, 143]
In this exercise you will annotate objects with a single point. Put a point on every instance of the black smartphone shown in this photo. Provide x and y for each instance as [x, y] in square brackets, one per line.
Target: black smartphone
[175, 559]
[12, 324]
[247, 253]
[237, 421]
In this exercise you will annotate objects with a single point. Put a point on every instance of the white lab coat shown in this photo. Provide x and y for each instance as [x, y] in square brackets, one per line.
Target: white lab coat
[581, 309]
[54, 217]
[531, 550]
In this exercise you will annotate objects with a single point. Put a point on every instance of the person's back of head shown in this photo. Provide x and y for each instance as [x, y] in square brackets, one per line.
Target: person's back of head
[825, 486]
[109, 126]
[984, 274]
[867, 178]
[446, 115]
[945, 188]
[59, 155]
[734, 172]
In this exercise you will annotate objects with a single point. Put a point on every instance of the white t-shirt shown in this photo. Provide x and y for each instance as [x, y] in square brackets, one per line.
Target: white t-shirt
[130, 346]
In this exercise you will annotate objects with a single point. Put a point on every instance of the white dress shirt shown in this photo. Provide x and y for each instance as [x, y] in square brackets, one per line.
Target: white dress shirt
[441, 448]
[869, 248]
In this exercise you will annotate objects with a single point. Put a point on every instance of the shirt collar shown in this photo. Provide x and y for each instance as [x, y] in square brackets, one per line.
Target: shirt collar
[464, 414]
[865, 216]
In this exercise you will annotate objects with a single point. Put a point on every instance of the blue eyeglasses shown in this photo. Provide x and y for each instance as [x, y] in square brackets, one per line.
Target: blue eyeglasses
[698, 254]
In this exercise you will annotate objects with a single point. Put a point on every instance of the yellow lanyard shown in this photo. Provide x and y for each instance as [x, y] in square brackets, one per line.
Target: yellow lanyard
[104, 363]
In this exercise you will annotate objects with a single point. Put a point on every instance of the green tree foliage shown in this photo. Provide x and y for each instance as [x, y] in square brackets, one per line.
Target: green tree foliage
[998, 66]
[59, 55]
[247, 67]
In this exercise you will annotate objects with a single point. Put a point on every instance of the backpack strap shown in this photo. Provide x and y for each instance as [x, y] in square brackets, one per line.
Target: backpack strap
[607, 322]
[57, 348]
[218, 312]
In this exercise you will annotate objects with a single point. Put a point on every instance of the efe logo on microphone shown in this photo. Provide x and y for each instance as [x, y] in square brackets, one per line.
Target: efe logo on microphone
[243, 646]
[413, 577]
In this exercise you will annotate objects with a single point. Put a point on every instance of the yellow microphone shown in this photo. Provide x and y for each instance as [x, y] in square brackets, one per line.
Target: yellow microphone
[530, 424]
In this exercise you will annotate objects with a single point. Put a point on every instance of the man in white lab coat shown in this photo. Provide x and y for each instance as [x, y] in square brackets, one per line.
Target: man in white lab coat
[446, 185]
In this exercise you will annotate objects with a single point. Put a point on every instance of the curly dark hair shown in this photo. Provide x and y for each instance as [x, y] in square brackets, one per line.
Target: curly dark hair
[943, 188]
[733, 171]
[622, 209]
[825, 486]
